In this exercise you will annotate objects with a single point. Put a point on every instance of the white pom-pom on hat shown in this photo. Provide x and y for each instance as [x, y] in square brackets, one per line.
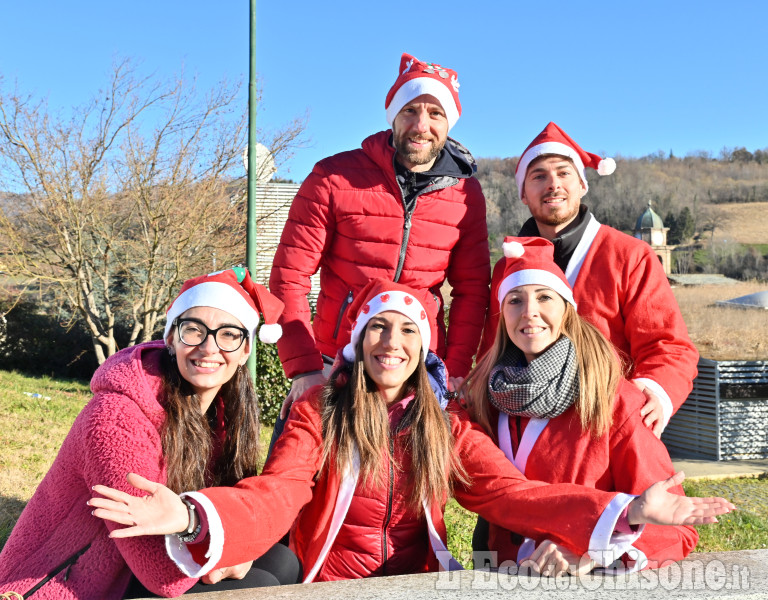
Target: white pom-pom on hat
[513, 249]
[270, 333]
[606, 166]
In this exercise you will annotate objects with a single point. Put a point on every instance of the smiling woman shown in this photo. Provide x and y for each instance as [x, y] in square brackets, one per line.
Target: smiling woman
[551, 394]
[181, 411]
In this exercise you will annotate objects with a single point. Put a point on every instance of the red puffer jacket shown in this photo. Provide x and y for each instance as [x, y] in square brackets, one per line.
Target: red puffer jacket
[247, 519]
[381, 534]
[348, 219]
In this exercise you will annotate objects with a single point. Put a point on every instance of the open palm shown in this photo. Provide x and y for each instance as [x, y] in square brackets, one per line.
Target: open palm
[159, 512]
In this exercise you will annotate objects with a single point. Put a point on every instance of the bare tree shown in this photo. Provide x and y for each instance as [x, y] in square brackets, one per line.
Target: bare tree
[125, 199]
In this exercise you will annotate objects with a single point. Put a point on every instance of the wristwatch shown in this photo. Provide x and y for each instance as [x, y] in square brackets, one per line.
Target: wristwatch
[192, 531]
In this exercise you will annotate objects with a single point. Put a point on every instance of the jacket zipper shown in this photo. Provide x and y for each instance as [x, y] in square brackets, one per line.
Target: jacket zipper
[388, 516]
[403, 246]
[65, 565]
[347, 302]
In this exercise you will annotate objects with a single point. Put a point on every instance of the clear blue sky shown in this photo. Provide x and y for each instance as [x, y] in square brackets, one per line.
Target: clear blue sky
[625, 78]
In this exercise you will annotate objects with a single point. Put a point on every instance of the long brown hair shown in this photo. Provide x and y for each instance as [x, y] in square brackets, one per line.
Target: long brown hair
[188, 439]
[600, 371]
[354, 416]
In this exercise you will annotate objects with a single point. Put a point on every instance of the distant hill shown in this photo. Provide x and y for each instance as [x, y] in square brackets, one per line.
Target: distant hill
[745, 223]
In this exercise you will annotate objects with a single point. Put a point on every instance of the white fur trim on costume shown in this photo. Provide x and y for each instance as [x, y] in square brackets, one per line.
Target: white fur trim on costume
[216, 295]
[513, 249]
[530, 435]
[535, 276]
[577, 259]
[396, 300]
[548, 148]
[343, 502]
[605, 545]
[606, 166]
[447, 561]
[666, 403]
[182, 556]
[270, 333]
[417, 87]
[520, 460]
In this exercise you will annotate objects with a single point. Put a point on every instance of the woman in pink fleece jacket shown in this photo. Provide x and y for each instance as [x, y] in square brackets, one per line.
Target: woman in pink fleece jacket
[144, 418]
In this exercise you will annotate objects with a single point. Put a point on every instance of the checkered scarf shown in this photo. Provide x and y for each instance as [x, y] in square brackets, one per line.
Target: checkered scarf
[543, 388]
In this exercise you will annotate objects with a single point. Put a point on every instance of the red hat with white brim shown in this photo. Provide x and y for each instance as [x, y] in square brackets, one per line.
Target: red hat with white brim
[554, 140]
[234, 292]
[416, 78]
[531, 261]
[381, 295]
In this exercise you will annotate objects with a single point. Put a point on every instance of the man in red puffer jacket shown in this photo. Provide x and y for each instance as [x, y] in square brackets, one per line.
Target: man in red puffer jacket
[404, 206]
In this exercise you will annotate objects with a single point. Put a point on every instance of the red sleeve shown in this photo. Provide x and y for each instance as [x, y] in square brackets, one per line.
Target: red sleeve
[565, 513]
[659, 345]
[306, 235]
[468, 274]
[258, 511]
[492, 319]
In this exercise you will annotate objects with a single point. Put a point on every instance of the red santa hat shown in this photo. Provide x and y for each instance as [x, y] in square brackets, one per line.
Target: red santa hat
[416, 78]
[554, 140]
[381, 295]
[531, 260]
[232, 291]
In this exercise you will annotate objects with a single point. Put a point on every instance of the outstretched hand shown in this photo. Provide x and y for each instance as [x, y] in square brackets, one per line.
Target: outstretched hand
[160, 512]
[657, 506]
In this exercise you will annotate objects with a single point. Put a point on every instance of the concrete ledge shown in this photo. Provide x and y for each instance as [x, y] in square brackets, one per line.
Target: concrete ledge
[741, 574]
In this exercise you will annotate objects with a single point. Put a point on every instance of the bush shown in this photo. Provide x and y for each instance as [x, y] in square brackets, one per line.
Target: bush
[271, 384]
[36, 342]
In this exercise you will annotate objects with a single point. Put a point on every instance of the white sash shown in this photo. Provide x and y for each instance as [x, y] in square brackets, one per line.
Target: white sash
[577, 259]
[530, 435]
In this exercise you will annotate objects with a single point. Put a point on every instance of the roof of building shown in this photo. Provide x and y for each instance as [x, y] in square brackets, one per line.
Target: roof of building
[649, 220]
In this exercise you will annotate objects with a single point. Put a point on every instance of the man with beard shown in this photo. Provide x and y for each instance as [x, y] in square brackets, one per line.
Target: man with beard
[618, 282]
[405, 207]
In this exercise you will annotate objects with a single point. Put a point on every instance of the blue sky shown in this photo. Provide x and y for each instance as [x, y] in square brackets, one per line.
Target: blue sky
[619, 77]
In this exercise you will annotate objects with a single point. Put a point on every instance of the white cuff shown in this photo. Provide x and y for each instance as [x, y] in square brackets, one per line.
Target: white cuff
[666, 403]
[180, 554]
[605, 545]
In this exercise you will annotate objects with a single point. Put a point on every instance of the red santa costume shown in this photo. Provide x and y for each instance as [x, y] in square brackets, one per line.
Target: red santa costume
[619, 284]
[627, 458]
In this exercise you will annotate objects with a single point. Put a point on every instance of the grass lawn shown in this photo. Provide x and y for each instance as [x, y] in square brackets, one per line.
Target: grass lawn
[36, 414]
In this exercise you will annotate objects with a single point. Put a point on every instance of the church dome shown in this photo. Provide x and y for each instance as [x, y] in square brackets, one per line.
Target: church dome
[649, 220]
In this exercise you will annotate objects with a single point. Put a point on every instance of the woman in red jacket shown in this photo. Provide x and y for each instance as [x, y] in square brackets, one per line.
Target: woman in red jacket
[551, 394]
[363, 469]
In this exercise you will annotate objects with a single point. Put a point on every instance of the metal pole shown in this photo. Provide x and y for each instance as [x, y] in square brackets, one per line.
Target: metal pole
[250, 259]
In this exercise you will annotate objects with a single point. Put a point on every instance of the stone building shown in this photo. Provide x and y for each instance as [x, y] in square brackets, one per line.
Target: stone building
[650, 228]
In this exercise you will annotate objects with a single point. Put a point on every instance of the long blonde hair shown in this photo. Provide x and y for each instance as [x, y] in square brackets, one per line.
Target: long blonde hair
[600, 371]
[354, 418]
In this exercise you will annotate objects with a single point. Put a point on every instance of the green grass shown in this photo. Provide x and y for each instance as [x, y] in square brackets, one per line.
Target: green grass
[33, 428]
[747, 527]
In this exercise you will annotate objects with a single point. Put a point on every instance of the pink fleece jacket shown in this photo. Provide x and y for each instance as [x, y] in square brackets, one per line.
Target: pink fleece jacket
[117, 432]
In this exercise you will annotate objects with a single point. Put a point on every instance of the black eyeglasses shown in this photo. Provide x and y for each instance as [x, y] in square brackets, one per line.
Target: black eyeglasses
[193, 333]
